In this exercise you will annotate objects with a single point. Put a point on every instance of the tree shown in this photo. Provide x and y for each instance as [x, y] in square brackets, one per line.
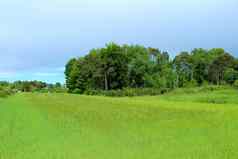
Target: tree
[163, 58]
[236, 84]
[183, 66]
[235, 64]
[58, 85]
[139, 63]
[200, 64]
[117, 67]
[218, 67]
[230, 75]
[70, 74]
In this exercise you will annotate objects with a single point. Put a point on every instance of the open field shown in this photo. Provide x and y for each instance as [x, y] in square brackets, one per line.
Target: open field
[178, 125]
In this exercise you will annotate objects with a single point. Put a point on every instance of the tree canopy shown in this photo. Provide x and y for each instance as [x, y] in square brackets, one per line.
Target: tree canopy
[133, 66]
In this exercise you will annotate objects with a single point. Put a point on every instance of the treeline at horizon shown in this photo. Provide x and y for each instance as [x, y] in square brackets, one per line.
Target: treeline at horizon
[7, 88]
[118, 67]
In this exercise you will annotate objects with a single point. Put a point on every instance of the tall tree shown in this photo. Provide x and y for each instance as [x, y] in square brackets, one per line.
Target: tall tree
[200, 64]
[115, 67]
[183, 66]
[70, 79]
[218, 67]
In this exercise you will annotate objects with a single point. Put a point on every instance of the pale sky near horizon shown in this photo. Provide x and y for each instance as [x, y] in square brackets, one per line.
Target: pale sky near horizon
[37, 37]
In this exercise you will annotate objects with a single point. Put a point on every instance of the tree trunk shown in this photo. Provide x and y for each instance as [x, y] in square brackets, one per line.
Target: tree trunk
[106, 81]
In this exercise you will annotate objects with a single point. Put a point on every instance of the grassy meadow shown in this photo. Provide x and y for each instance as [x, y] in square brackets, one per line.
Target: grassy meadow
[183, 124]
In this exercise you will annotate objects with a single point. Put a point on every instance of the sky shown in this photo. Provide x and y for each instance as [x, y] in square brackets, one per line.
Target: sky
[38, 37]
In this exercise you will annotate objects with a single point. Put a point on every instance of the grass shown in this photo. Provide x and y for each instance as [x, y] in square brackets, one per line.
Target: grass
[178, 125]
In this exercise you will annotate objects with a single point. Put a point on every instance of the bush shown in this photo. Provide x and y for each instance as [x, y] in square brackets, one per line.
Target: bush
[5, 92]
[235, 84]
[77, 91]
[129, 92]
[191, 84]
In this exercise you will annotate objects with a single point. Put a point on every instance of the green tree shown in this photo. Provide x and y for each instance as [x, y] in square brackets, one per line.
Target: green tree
[70, 74]
[230, 75]
[115, 67]
[200, 64]
[183, 66]
[218, 67]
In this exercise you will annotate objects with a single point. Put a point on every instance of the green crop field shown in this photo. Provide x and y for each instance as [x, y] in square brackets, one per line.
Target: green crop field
[178, 125]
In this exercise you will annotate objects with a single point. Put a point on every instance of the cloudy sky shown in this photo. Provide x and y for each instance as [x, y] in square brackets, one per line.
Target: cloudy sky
[37, 37]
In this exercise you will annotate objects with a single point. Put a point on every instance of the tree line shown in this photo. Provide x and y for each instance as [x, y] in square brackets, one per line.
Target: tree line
[31, 86]
[115, 67]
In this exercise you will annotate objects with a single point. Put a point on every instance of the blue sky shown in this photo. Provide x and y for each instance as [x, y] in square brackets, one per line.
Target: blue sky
[37, 37]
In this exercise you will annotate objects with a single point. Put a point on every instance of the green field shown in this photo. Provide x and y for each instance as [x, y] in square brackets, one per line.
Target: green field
[178, 125]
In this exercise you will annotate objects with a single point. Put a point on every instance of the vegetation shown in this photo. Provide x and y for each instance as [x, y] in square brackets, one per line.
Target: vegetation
[4, 92]
[7, 88]
[127, 92]
[186, 123]
[194, 116]
[118, 67]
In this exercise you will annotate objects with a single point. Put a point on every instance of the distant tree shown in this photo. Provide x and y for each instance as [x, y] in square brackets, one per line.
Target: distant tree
[138, 65]
[183, 66]
[117, 67]
[218, 67]
[163, 58]
[235, 64]
[153, 54]
[200, 64]
[58, 85]
[230, 75]
[70, 73]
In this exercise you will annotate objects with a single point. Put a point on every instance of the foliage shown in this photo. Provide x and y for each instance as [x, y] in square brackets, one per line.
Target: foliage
[117, 67]
[31, 86]
[230, 75]
[218, 67]
[127, 92]
[5, 93]
[236, 83]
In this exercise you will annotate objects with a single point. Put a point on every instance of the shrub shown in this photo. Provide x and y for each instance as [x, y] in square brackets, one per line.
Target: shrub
[235, 84]
[5, 92]
[191, 84]
[77, 91]
[129, 92]
[216, 101]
